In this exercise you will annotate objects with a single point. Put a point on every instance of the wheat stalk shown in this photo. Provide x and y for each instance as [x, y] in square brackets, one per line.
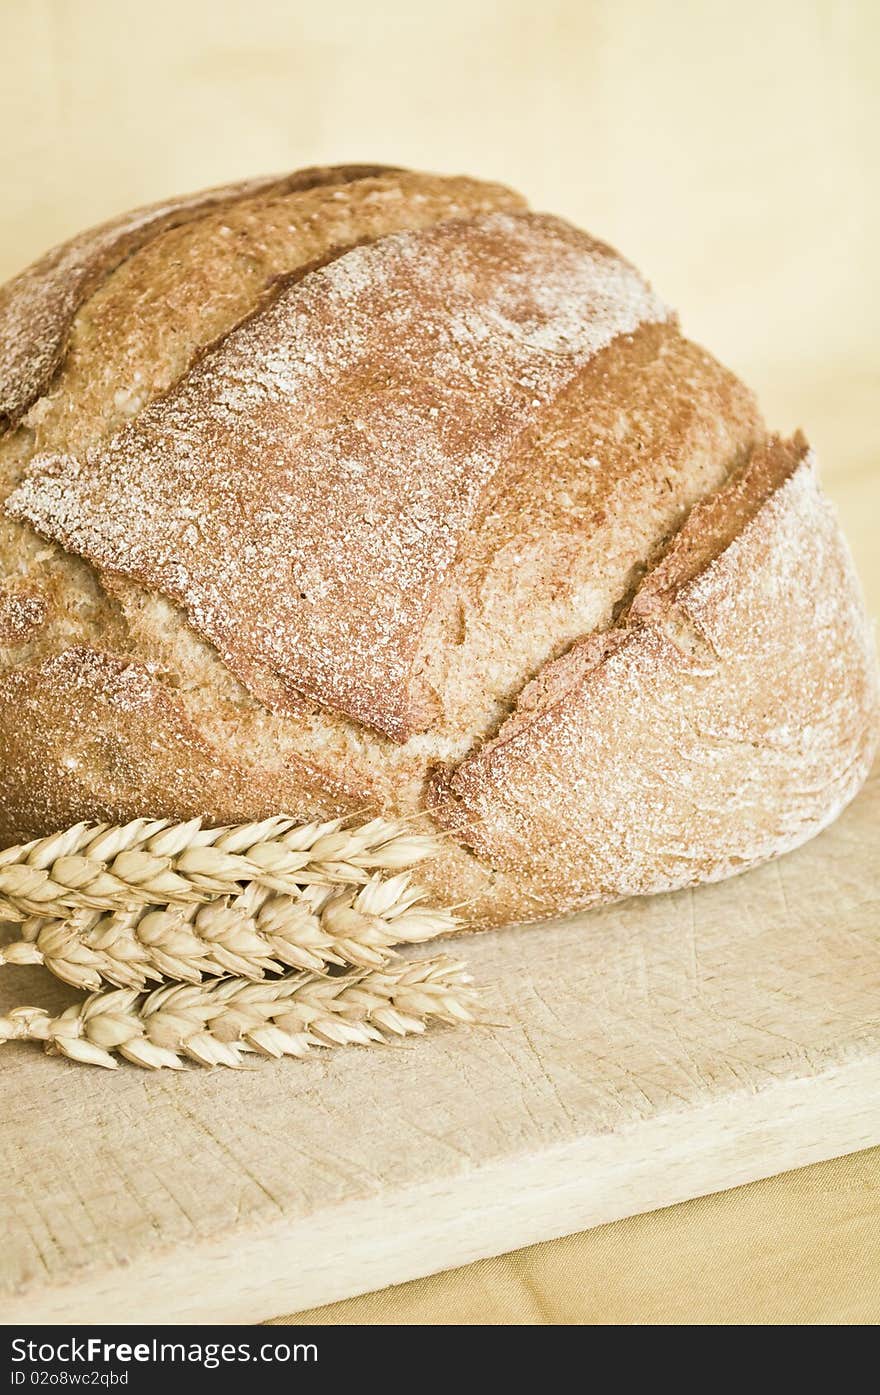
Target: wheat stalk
[218, 1022]
[257, 932]
[156, 862]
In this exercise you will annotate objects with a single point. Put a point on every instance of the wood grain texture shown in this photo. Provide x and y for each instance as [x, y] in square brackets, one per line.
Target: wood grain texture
[643, 1053]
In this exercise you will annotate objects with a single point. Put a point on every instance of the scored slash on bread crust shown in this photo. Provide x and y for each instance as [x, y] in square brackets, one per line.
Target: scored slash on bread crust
[37, 308]
[729, 717]
[610, 631]
[304, 489]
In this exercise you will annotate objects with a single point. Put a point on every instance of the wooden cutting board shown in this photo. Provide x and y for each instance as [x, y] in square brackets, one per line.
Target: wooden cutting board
[645, 1053]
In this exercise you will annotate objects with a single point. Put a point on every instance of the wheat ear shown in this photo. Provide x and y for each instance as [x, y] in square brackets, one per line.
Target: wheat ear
[257, 932]
[155, 862]
[218, 1022]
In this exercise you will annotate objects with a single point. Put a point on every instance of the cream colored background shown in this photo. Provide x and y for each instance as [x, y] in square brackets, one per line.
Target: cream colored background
[729, 149]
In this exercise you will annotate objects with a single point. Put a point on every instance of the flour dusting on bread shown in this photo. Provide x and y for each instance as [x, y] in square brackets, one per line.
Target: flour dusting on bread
[305, 487]
[366, 489]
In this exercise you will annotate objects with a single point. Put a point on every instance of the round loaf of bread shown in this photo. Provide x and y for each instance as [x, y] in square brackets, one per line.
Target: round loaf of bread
[366, 490]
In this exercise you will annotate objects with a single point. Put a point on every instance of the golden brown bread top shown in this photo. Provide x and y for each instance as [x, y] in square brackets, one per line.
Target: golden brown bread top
[607, 469]
[606, 475]
[140, 329]
[305, 487]
[37, 308]
[559, 542]
[101, 324]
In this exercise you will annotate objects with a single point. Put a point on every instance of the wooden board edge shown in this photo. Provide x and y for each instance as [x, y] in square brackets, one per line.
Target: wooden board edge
[360, 1246]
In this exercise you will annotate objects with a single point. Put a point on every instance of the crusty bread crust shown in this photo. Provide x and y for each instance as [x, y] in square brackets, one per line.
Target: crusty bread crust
[720, 725]
[37, 308]
[609, 638]
[304, 490]
[115, 740]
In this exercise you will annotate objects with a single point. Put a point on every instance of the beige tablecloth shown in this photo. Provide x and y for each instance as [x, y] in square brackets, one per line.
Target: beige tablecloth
[800, 1248]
